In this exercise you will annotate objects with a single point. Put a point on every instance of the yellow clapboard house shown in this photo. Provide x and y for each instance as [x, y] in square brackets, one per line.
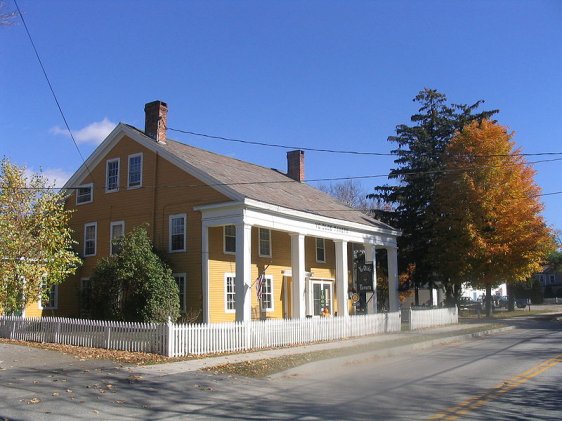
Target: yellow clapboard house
[223, 223]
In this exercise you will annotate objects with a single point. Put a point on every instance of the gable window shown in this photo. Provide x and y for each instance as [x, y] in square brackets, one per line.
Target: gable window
[180, 280]
[117, 231]
[177, 232]
[229, 293]
[265, 242]
[320, 250]
[230, 239]
[85, 194]
[112, 175]
[267, 294]
[49, 300]
[90, 237]
[135, 171]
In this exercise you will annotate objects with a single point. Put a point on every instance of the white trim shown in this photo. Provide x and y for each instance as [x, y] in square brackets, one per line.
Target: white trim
[139, 154]
[260, 240]
[111, 225]
[228, 213]
[321, 282]
[183, 308]
[83, 186]
[272, 308]
[316, 248]
[326, 226]
[107, 162]
[224, 250]
[226, 276]
[175, 216]
[95, 225]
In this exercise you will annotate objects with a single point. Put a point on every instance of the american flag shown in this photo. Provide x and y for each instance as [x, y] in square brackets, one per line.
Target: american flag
[259, 285]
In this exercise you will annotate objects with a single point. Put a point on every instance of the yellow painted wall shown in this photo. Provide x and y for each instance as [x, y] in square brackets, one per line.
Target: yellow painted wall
[176, 192]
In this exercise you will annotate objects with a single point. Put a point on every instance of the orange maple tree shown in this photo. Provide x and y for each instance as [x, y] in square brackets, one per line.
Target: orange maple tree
[490, 227]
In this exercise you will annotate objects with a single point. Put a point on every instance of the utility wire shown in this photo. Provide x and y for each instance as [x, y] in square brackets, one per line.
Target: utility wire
[242, 183]
[335, 151]
[50, 86]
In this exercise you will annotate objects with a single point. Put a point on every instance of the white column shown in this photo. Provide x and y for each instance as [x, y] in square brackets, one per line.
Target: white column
[393, 298]
[243, 284]
[205, 271]
[371, 257]
[341, 277]
[298, 274]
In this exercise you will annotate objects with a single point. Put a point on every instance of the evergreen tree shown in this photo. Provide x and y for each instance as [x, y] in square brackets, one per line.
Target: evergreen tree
[134, 285]
[419, 165]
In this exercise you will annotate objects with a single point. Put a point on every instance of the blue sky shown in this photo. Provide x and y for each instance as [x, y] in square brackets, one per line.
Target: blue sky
[320, 74]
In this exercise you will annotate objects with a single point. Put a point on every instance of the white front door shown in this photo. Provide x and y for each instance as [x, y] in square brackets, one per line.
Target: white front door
[322, 293]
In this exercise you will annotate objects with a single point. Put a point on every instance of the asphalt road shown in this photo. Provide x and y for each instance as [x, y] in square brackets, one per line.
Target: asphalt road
[514, 375]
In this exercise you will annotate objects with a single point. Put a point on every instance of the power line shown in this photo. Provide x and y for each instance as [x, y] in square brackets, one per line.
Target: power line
[50, 85]
[336, 151]
[312, 180]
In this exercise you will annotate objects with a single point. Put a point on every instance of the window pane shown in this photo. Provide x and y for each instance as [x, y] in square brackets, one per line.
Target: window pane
[84, 194]
[230, 293]
[90, 240]
[112, 175]
[230, 239]
[320, 254]
[135, 171]
[177, 233]
[265, 243]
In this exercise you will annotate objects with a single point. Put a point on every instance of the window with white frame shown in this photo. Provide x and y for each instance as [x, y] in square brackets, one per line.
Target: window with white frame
[50, 299]
[90, 238]
[134, 179]
[230, 239]
[117, 231]
[177, 232]
[265, 242]
[542, 279]
[180, 280]
[267, 293]
[85, 194]
[112, 175]
[322, 298]
[551, 278]
[229, 293]
[320, 250]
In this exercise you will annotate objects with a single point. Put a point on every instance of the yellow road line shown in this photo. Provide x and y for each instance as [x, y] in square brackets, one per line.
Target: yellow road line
[477, 401]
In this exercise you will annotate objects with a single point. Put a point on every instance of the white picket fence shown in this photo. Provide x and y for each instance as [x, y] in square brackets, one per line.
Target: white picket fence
[194, 339]
[137, 337]
[420, 319]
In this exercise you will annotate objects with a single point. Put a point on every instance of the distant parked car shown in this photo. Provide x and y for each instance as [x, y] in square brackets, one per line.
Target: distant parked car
[521, 302]
[465, 303]
[503, 301]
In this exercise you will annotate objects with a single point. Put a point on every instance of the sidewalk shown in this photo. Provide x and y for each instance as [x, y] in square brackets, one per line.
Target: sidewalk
[381, 345]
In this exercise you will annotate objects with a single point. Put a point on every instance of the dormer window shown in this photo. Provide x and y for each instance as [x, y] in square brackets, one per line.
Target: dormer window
[85, 194]
[112, 176]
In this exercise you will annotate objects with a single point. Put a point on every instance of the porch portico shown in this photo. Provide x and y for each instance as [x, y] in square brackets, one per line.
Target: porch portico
[298, 225]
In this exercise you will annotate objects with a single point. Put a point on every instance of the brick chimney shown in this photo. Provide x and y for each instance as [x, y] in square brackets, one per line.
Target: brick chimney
[156, 120]
[295, 165]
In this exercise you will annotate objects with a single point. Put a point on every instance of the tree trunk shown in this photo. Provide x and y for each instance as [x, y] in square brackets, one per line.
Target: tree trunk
[488, 300]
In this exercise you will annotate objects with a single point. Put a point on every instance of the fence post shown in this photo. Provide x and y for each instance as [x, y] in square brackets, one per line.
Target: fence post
[169, 338]
[410, 318]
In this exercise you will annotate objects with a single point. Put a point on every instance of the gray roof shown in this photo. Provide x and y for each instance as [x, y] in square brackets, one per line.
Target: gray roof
[267, 185]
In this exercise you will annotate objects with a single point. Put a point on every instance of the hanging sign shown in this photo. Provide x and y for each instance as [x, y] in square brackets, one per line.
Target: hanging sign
[365, 277]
